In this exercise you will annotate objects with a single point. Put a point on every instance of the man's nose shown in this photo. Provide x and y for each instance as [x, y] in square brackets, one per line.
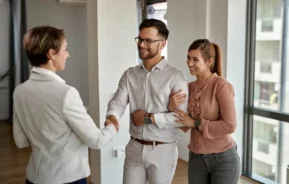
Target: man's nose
[141, 43]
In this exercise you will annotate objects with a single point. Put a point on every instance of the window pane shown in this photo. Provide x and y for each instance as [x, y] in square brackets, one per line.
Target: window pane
[270, 138]
[268, 55]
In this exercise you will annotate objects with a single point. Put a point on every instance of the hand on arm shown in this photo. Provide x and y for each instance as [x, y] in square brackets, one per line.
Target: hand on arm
[138, 117]
[166, 119]
[176, 99]
[184, 118]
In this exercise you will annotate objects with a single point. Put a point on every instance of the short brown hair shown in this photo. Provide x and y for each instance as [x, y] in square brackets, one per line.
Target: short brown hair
[209, 50]
[39, 40]
[158, 24]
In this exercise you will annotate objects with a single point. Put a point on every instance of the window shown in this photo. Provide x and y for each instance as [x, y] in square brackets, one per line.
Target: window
[266, 67]
[267, 95]
[264, 169]
[267, 25]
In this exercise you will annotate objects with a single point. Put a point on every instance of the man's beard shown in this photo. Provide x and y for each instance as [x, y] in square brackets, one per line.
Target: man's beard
[149, 55]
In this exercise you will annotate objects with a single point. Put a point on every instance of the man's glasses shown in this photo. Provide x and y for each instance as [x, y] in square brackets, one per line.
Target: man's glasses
[146, 41]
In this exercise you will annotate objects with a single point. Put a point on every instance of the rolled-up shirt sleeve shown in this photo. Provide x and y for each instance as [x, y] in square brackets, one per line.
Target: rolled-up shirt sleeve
[82, 124]
[120, 100]
[228, 123]
[167, 119]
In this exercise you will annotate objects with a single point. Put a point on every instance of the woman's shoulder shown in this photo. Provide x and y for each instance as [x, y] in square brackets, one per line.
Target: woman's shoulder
[220, 83]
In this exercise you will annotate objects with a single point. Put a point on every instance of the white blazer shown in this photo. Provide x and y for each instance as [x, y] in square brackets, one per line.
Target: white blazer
[50, 117]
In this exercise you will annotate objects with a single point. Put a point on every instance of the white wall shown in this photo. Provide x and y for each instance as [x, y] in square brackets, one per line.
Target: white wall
[183, 29]
[111, 50]
[217, 21]
[236, 43]
[72, 18]
[222, 22]
[4, 57]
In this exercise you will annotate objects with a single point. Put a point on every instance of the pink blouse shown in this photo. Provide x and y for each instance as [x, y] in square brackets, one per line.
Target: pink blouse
[213, 103]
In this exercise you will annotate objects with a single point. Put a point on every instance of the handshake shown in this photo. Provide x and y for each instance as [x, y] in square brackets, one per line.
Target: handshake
[112, 120]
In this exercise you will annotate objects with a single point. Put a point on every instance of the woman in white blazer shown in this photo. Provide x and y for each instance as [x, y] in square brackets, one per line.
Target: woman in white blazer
[50, 117]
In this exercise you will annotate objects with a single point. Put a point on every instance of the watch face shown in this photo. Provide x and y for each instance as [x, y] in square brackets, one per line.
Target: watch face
[197, 123]
[147, 120]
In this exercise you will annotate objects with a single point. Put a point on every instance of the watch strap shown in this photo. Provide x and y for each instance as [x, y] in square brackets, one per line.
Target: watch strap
[197, 123]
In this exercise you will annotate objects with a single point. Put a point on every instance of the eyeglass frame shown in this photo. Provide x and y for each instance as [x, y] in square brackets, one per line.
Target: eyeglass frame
[139, 40]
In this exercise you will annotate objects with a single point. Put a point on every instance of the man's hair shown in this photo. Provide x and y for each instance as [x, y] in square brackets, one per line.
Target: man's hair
[39, 40]
[159, 25]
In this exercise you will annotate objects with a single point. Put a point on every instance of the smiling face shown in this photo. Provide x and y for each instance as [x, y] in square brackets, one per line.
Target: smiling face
[150, 43]
[59, 59]
[197, 64]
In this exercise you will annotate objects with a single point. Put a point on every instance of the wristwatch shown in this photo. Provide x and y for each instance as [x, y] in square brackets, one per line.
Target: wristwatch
[147, 119]
[197, 124]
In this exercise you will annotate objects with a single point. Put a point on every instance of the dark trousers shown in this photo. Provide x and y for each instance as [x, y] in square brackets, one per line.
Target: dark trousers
[81, 181]
[216, 168]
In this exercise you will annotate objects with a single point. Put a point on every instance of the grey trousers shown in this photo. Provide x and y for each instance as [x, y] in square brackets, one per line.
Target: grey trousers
[216, 168]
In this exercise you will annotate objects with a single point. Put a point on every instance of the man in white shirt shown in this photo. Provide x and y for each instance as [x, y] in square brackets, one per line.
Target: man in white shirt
[50, 117]
[151, 154]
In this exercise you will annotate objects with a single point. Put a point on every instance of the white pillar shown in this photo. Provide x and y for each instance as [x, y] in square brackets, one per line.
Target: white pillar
[111, 29]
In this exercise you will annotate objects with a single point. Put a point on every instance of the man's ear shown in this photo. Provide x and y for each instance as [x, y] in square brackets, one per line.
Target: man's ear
[163, 44]
[50, 54]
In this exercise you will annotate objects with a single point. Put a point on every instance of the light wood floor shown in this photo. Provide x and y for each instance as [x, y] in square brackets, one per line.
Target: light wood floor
[13, 161]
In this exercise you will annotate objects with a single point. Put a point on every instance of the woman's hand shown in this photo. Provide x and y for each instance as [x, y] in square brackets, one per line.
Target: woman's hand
[176, 99]
[184, 118]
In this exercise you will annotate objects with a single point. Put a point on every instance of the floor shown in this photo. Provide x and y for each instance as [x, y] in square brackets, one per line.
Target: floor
[13, 161]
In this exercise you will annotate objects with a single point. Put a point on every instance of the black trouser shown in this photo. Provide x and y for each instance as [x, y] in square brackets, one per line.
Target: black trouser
[81, 181]
[216, 168]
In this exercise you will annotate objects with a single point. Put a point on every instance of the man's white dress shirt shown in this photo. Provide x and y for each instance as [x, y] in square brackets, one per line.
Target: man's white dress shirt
[150, 91]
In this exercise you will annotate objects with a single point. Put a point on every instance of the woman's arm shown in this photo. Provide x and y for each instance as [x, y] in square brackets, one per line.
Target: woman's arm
[19, 135]
[82, 124]
[228, 123]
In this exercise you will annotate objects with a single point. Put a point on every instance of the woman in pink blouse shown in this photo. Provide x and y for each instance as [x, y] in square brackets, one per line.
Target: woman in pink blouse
[213, 157]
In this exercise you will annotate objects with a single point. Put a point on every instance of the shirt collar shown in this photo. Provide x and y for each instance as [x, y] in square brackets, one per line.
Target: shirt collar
[161, 65]
[47, 72]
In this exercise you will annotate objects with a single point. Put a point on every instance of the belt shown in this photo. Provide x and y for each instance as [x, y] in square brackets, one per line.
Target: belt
[155, 143]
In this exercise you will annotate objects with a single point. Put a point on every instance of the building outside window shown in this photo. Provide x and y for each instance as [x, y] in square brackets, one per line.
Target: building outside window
[268, 118]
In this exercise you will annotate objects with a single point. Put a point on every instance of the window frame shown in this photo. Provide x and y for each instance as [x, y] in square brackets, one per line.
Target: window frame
[249, 109]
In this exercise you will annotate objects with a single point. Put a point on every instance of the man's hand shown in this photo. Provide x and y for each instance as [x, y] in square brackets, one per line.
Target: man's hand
[176, 99]
[137, 117]
[112, 120]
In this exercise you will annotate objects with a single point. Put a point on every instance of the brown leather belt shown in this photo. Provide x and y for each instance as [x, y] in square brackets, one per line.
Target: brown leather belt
[148, 142]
